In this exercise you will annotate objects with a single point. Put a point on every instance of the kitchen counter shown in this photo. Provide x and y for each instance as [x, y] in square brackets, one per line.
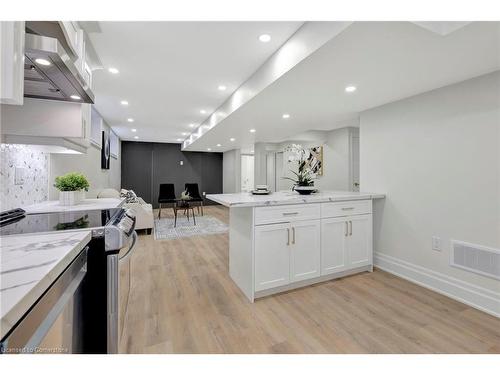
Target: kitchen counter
[285, 240]
[29, 264]
[85, 205]
[288, 197]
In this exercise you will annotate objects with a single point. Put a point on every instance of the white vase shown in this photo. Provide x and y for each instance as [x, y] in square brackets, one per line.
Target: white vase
[70, 198]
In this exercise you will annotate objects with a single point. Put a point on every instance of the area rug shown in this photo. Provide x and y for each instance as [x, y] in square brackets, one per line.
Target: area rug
[164, 227]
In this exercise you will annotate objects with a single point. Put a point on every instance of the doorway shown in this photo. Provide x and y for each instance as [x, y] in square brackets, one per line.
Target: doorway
[247, 173]
[354, 161]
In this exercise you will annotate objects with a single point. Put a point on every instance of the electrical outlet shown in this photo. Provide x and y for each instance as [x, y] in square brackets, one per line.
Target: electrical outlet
[19, 175]
[436, 243]
[204, 194]
[181, 162]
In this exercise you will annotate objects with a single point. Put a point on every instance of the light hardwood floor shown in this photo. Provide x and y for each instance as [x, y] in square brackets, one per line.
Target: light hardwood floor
[183, 301]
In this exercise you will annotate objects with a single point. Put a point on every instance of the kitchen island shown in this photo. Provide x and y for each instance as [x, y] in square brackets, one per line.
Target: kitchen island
[284, 240]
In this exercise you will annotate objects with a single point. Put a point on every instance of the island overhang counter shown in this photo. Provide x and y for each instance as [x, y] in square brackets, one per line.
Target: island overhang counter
[284, 240]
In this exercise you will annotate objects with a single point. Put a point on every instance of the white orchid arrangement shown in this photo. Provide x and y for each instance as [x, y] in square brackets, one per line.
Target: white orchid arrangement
[305, 176]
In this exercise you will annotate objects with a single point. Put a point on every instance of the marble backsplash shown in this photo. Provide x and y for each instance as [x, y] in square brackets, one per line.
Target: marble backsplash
[35, 186]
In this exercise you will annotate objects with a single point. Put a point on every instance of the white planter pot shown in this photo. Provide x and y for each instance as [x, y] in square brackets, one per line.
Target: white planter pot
[70, 198]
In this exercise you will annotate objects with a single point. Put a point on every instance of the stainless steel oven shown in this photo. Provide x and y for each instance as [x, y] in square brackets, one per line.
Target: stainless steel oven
[92, 316]
[55, 323]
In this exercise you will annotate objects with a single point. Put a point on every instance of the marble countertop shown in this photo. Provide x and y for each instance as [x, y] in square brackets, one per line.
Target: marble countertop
[29, 264]
[288, 197]
[86, 204]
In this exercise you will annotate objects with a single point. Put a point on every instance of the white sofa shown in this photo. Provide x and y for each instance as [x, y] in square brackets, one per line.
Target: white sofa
[143, 211]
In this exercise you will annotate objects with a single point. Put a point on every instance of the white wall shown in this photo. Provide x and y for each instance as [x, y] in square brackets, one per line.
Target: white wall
[336, 161]
[437, 157]
[35, 187]
[90, 165]
[231, 171]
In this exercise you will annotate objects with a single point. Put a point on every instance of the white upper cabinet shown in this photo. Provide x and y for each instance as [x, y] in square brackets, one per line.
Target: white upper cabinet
[76, 40]
[96, 128]
[47, 118]
[114, 144]
[71, 32]
[85, 123]
[12, 62]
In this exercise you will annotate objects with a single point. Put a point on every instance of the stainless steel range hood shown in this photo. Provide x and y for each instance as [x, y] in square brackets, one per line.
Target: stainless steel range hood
[49, 72]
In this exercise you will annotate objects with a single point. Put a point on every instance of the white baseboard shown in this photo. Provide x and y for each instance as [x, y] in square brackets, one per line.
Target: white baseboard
[472, 295]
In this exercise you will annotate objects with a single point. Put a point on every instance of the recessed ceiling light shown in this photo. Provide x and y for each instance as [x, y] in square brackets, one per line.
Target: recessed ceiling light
[136, 137]
[209, 149]
[184, 133]
[202, 111]
[264, 38]
[124, 102]
[222, 87]
[75, 97]
[252, 130]
[113, 70]
[285, 115]
[218, 145]
[130, 120]
[192, 125]
[232, 139]
[133, 130]
[42, 62]
[350, 89]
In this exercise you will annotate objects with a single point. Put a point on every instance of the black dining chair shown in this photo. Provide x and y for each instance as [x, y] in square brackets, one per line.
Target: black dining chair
[166, 195]
[194, 193]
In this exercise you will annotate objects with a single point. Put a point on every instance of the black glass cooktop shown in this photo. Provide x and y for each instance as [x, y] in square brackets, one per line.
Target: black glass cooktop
[58, 221]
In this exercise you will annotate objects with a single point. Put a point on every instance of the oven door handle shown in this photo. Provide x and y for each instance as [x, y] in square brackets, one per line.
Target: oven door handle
[131, 248]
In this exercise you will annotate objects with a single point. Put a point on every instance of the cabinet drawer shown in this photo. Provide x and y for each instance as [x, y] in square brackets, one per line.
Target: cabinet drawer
[289, 213]
[336, 209]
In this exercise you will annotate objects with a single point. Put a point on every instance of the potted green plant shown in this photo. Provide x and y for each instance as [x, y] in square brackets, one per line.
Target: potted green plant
[304, 181]
[72, 188]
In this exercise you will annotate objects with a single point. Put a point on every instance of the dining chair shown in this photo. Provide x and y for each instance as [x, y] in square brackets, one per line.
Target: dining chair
[194, 193]
[166, 195]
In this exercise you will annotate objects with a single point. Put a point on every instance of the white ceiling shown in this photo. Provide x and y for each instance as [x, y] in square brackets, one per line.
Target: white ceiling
[169, 71]
[386, 61]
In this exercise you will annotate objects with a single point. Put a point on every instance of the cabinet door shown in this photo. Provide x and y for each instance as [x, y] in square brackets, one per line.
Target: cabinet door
[85, 123]
[272, 256]
[71, 33]
[334, 233]
[360, 240]
[305, 262]
[95, 128]
[12, 62]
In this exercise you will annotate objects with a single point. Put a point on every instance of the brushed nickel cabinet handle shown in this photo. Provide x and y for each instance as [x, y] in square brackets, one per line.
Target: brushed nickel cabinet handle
[346, 228]
[350, 231]
[293, 235]
[288, 236]
[290, 213]
[347, 208]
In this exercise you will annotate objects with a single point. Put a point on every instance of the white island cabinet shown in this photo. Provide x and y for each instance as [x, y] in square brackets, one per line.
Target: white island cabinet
[285, 241]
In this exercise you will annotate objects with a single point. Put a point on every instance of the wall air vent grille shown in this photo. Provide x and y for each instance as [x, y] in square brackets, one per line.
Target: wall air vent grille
[475, 258]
